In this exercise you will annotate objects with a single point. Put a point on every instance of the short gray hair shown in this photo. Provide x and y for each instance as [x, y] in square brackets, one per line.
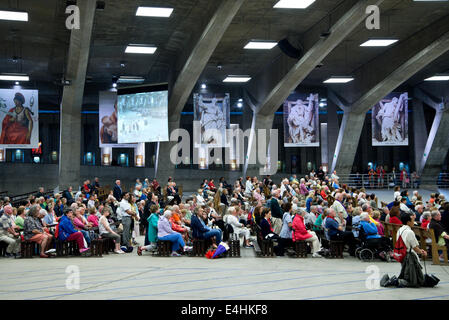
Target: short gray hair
[364, 215]
[34, 209]
[435, 213]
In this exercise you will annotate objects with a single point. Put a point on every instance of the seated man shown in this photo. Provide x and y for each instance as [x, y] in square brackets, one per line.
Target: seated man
[239, 228]
[441, 236]
[34, 231]
[67, 232]
[172, 191]
[8, 234]
[373, 238]
[200, 230]
[335, 231]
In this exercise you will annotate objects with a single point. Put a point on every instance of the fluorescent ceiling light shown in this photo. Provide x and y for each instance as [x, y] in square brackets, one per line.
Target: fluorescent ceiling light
[237, 79]
[127, 79]
[293, 4]
[378, 42]
[154, 12]
[13, 15]
[14, 77]
[438, 78]
[339, 80]
[264, 45]
[140, 49]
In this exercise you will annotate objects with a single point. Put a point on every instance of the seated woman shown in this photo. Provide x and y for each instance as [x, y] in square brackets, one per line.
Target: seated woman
[20, 218]
[81, 224]
[50, 218]
[34, 231]
[166, 233]
[394, 215]
[426, 218]
[176, 225]
[93, 219]
[67, 231]
[200, 230]
[300, 233]
[265, 225]
[172, 191]
[373, 238]
[239, 228]
[380, 226]
[152, 231]
[105, 230]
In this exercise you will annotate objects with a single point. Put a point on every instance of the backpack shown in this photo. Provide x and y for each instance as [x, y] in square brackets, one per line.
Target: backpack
[400, 250]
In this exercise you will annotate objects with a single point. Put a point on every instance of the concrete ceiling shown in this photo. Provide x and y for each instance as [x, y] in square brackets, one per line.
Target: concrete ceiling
[42, 43]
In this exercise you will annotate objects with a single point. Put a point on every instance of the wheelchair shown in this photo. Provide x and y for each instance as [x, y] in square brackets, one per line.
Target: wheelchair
[370, 249]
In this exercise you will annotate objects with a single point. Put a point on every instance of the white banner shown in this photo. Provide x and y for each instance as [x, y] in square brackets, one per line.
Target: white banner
[390, 121]
[301, 121]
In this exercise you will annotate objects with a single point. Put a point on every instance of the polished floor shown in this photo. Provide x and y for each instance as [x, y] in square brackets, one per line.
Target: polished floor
[117, 277]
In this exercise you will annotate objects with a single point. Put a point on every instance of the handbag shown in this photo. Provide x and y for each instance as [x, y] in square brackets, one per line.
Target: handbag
[430, 280]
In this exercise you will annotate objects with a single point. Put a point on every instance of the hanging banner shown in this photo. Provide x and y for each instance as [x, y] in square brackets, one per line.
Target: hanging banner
[108, 134]
[19, 118]
[390, 121]
[301, 121]
[212, 111]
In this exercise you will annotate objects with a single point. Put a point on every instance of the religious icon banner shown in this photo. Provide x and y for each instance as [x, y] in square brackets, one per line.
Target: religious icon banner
[390, 121]
[19, 118]
[212, 111]
[108, 135]
[301, 121]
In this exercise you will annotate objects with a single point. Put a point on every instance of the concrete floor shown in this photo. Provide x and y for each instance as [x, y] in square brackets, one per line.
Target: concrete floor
[132, 277]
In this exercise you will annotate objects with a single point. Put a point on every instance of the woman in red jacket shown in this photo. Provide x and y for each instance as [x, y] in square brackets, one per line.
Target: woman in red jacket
[300, 233]
[394, 215]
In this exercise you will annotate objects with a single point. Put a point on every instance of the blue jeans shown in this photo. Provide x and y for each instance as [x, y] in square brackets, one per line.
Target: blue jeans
[86, 236]
[213, 233]
[176, 240]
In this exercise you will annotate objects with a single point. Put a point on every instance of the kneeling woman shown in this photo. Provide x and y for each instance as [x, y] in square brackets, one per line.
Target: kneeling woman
[166, 233]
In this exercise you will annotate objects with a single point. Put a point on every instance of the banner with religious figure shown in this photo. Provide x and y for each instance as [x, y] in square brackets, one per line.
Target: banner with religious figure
[19, 118]
[301, 121]
[212, 111]
[390, 121]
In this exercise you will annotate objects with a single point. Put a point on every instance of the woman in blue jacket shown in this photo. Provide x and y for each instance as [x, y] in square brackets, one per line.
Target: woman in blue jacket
[67, 232]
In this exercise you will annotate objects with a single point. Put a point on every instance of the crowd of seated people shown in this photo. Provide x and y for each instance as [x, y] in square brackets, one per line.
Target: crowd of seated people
[313, 208]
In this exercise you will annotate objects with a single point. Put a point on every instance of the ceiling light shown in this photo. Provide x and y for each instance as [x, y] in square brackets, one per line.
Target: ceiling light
[154, 12]
[13, 15]
[339, 80]
[441, 77]
[114, 85]
[140, 49]
[203, 86]
[14, 77]
[239, 105]
[17, 83]
[264, 45]
[378, 42]
[240, 100]
[237, 79]
[293, 4]
[128, 79]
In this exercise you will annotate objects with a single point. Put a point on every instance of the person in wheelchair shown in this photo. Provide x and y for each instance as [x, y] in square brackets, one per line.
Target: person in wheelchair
[370, 238]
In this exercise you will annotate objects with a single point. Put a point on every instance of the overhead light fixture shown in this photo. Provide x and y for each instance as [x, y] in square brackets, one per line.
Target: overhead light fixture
[430, 0]
[17, 83]
[339, 80]
[154, 12]
[261, 45]
[293, 4]
[14, 77]
[239, 105]
[129, 79]
[114, 85]
[440, 77]
[142, 49]
[379, 42]
[13, 15]
[203, 86]
[237, 79]
[240, 100]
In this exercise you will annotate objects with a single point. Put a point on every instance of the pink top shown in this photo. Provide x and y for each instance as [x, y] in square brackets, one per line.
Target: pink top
[78, 223]
[380, 228]
[299, 229]
[93, 219]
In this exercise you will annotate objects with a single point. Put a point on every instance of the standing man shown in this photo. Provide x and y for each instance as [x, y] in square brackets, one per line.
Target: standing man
[118, 190]
[127, 214]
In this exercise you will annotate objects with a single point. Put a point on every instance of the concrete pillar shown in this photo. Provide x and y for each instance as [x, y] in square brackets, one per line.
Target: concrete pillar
[419, 132]
[324, 145]
[72, 98]
[332, 129]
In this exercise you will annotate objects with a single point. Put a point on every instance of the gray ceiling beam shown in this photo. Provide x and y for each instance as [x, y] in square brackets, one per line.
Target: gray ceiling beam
[201, 54]
[426, 52]
[72, 97]
[349, 20]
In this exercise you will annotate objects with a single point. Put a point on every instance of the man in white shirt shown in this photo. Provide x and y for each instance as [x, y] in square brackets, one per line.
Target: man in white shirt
[339, 208]
[126, 213]
[310, 218]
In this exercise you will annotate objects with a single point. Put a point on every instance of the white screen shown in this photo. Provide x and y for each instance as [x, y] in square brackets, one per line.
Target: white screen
[143, 117]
